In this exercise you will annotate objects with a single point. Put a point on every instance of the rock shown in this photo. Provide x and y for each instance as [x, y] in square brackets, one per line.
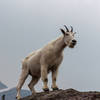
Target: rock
[68, 94]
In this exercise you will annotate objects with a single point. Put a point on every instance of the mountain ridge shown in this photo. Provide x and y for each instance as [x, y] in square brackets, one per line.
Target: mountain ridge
[2, 86]
[10, 93]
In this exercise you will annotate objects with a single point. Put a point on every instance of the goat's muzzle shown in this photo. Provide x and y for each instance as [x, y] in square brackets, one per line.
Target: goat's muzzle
[73, 43]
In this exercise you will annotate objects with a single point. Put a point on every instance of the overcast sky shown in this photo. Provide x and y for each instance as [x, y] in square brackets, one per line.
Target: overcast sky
[26, 25]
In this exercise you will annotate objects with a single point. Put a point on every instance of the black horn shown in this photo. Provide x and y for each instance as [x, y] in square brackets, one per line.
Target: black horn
[71, 28]
[66, 28]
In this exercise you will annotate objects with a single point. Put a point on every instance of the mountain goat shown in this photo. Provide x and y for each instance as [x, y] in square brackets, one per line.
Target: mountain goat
[47, 59]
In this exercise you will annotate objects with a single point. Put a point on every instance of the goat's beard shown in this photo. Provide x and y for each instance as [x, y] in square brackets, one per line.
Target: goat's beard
[72, 45]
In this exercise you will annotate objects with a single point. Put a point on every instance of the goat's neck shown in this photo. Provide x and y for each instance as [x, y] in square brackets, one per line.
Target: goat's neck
[59, 45]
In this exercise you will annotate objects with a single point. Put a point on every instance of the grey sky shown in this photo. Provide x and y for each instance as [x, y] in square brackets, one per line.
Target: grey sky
[26, 25]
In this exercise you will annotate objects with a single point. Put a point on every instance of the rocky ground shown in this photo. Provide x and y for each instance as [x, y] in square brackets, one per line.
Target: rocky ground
[69, 94]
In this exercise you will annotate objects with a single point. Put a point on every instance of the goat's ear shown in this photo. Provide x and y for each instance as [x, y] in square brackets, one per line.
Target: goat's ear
[62, 31]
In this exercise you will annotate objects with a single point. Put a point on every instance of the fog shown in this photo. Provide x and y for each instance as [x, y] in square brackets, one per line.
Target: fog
[27, 25]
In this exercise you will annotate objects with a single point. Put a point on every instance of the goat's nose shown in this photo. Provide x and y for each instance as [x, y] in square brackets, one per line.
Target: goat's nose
[74, 41]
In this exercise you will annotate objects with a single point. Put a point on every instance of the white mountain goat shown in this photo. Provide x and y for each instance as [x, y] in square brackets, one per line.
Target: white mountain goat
[47, 59]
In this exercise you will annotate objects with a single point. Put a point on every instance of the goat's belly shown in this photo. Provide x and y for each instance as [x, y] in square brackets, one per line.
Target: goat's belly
[34, 70]
[54, 64]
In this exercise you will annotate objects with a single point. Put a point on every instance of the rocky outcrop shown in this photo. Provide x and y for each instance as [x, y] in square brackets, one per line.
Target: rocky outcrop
[69, 94]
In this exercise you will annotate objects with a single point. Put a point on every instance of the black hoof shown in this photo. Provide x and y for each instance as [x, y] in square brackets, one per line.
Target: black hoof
[17, 98]
[54, 89]
[46, 90]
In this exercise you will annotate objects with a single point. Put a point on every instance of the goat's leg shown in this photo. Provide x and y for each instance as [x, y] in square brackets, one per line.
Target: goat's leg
[32, 83]
[44, 77]
[22, 79]
[54, 78]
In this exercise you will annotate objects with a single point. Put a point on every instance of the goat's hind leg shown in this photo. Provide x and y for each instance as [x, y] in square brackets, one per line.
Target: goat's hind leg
[32, 83]
[22, 79]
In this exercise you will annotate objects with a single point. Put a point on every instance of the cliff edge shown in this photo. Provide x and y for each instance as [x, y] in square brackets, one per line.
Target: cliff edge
[68, 94]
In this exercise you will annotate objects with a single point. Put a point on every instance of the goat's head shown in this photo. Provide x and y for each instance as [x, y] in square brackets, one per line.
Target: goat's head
[69, 37]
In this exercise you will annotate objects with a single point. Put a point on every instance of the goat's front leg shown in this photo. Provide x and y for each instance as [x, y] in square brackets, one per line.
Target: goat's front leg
[44, 77]
[54, 78]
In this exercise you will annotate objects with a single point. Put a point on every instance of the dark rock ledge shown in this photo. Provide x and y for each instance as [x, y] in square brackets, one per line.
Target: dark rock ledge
[68, 94]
